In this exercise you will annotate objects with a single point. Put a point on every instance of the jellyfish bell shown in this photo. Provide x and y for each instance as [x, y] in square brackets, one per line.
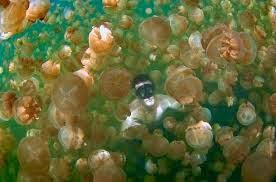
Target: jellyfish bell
[25, 175]
[156, 31]
[110, 3]
[26, 109]
[155, 145]
[59, 169]
[98, 158]
[37, 9]
[70, 93]
[33, 154]
[4, 3]
[178, 24]
[12, 18]
[115, 83]
[109, 173]
[246, 114]
[7, 100]
[71, 137]
[101, 39]
[84, 74]
[272, 104]
[50, 69]
[199, 135]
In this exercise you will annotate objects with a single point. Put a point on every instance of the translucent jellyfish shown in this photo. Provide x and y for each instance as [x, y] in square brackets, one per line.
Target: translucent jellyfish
[109, 173]
[177, 149]
[182, 85]
[246, 114]
[12, 18]
[33, 154]
[115, 83]
[156, 145]
[26, 109]
[7, 100]
[37, 9]
[212, 32]
[65, 52]
[199, 135]
[272, 104]
[59, 169]
[118, 158]
[156, 31]
[71, 137]
[232, 46]
[50, 69]
[151, 167]
[101, 39]
[236, 149]
[223, 135]
[25, 175]
[178, 23]
[98, 158]
[84, 74]
[257, 168]
[29, 87]
[126, 22]
[4, 3]
[70, 93]
[247, 19]
[7, 144]
[110, 3]
[25, 67]
[253, 132]
[266, 147]
[196, 15]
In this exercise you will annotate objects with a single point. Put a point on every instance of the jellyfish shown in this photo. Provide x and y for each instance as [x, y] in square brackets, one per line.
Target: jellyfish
[156, 145]
[29, 87]
[253, 132]
[156, 31]
[246, 114]
[70, 93]
[182, 85]
[224, 134]
[178, 23]
[26, 109]
[59, 169]
[4, 3]
[115, 83]
[33, 154]
[110, 3]
[101, 39]
[199, 135]
[177, 149]
[7, 100]
[50, 69]
[98, 158]
[37, 9]
[24, 175]
[272, 104]
[109, 173]
[71, 137]
[196, 15]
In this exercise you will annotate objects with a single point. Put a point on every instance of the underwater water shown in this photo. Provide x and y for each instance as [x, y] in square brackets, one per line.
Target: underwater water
[137, 90]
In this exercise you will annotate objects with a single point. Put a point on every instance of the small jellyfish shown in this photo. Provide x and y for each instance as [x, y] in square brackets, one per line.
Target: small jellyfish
[178, 23]
[182, 85]
[37, 9]
[236, 149]
[73, 35]
[25, 67]
[272, 104]
[59, 169]
[50, 69]
[212, 32]
[26, 109]
[246, 114]
[126, 22]
[223, 135]
[118, 158]
[33, 154]
[156, 145]
[199, 135]
[12, 18]
[110, 3]
[29, 87]
[266, 147]
[115, 83]
[70, 93]
[25, 175]
[4, 3]
[253, 132]
[7, 100]
[71, 137]
[98, 158]
[177, 149]
[109, 173]
[84, 74]
[65, 52]
[257, 168]
[150, 167]
[101, 39]
[156, 31]
[196, 15]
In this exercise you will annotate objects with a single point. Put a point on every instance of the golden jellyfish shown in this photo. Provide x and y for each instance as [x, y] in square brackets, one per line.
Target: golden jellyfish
[236, 149]
[59, 169]
[50, 69]
[7, 100]
[253, 132]
[70, 93]
[29, 87]
[73, 35]
[178, 23]
[177, 149]
[196, 15]
[110, 3]
[118, 158]
[27, 176]
[4, 3]
[12, 17]
[257, 168]
[246, 114]
[272, 104]
[223, 135]
[37, 9]
[126, 22]
[156, 31]
[101, 39]
[199, 135]
[234, 47]
[155, 145]
[25, 67]
[86, 76]
[26, 109]
[115, 83]
[183, 86]
[33, 154]
[212, 32]
[71, 137]
[266, 147]
[98, 158]
[109, 173]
